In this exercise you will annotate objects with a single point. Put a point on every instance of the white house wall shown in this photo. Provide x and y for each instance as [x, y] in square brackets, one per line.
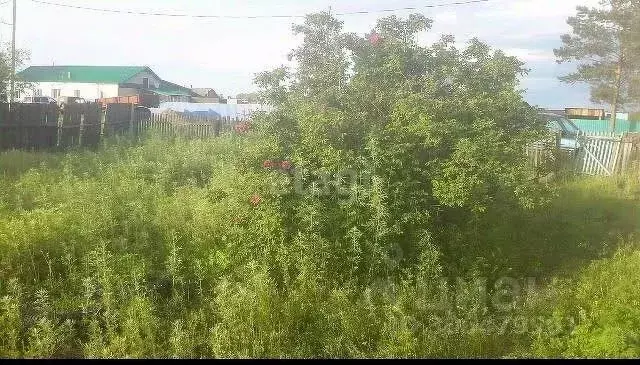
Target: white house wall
[88, 91]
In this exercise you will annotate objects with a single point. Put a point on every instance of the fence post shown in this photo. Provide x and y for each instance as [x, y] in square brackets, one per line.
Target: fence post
[103, 120]
[132, 118]
[81, 130]
[557, 140]
[60, 125]
[628, 149]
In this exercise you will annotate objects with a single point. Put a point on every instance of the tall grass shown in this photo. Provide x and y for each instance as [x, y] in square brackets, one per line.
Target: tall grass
[156, 250]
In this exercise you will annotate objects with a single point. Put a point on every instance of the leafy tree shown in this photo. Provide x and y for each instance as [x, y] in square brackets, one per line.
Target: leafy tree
[321, 59]
[5, 71]
[606, 43]
[439, 130]
[250, 97]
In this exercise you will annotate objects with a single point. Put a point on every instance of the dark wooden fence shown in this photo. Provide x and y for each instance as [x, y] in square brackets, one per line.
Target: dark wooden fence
[28, 126]
[46, 127]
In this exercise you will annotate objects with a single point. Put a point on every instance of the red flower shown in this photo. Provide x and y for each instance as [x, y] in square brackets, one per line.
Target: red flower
[241, 127]
[286, 165]
[255, 200]
[375, 38]
[267, 164]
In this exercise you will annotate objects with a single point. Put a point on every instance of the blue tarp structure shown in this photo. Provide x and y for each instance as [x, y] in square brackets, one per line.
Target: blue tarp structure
[203, 113]
[211, 110]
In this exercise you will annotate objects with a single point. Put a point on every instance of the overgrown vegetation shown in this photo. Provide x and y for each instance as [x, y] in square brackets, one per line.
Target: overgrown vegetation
[385, 208]
[157, 251]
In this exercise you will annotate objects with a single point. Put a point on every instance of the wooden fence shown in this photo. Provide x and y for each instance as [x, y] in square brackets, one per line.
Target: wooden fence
[28, 126]
[545, 154]
[45, 127]
[188, 126]
[602, 154]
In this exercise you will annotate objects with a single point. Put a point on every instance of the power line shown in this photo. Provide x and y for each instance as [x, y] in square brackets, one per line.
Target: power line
[130, 12]
[458, 3]
[178, 15]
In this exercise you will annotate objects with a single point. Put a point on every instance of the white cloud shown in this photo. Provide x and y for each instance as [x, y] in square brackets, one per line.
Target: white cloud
[531, 55]
[446, 18]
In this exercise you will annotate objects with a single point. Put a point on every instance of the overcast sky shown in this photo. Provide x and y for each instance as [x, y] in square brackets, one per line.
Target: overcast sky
[226, 53]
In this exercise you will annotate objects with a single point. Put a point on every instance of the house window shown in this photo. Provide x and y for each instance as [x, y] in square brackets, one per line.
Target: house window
[76, 93]
[145, 82]
[38, 92]
[55, 93]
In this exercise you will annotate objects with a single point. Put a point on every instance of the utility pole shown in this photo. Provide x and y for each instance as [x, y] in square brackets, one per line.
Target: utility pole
[13, 56]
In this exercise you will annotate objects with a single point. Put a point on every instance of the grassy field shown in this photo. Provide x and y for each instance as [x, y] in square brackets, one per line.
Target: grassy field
[175, 248]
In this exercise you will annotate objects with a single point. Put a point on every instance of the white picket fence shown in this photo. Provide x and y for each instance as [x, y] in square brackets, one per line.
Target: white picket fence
[599, 154]
[601, 134]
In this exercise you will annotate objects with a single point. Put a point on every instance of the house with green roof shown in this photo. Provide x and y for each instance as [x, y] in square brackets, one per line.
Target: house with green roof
[95, 82]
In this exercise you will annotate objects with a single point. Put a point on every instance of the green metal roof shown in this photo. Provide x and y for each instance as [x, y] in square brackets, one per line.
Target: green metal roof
[169, 88]
[87, 74]
[170, 92]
